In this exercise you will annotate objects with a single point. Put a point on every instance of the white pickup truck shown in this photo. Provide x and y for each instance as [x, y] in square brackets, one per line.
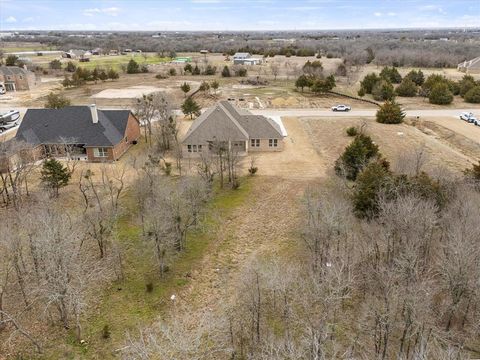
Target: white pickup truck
[469, 117]
[341, 108]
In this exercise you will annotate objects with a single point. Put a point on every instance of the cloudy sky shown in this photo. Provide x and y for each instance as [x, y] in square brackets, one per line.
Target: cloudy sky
[164, 15]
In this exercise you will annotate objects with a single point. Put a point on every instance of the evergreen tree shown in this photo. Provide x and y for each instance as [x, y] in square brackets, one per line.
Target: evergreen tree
[54, 175]
[391, 74]
[70, 67]
[133, 67]
[407, 88]
[185, 87]
[368, 82]
[440, 94]
[55, 64]
[190, 107]
[302, 82]
[416, 76]
[112, 74]
[226, 72]
[390, 113]
[56, 101]
[473, 95]
[383, 90]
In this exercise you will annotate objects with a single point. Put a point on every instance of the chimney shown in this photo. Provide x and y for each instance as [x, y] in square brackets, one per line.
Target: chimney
[93, 110]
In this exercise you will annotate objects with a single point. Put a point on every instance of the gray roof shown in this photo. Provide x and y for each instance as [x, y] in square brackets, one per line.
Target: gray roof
[225, 122]
[241, 55]
[74, 123]
[13, 70]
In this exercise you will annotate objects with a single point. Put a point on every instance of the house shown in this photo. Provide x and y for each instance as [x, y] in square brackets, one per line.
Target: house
[246, 59]
[14, 78]
[81, 55]
[471, 66]
[235, 128]
[81, 132]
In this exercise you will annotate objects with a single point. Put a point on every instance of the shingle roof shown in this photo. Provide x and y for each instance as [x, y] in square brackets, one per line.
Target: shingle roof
[225, 122]
[51, 126]
[241, 55]
[12, 70]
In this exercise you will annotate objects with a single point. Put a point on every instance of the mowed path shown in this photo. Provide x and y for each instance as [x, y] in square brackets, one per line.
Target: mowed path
[264, 224]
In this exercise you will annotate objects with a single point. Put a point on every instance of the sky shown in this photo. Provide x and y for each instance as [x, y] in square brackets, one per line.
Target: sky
[224, 15]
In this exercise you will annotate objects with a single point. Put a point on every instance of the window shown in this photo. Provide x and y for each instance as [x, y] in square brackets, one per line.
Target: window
[255, 142]
[273, 142]
[194, 148]
[100, 152]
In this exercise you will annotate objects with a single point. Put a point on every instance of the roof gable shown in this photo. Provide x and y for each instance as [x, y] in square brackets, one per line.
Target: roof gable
[225, 122]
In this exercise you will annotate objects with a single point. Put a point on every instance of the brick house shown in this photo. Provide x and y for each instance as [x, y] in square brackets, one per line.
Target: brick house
[237, 128]
[80, 132]
[15, 78]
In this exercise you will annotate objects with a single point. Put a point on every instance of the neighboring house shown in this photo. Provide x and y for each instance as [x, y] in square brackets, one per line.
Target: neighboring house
[14, 78]
[246, 59]
[233, 128]
[470, 66]
[80, 132]
[80, 55]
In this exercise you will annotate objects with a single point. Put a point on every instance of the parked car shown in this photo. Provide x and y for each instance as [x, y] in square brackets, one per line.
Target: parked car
[341, 108]
[6, 126]
[467, 116]
[10, 116]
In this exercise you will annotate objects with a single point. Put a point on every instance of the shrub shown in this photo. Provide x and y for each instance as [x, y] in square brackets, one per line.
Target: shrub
[407, 88]
[341, 70]
[302, 82]
[474, 172]
[473, 95]
[242, 72]
[391, 74]
[112, 74]
[133, 67]
[71, 67]
[416, 76]
[226, 72]
[106, 332]
[188, 68]
[210, 70]
[369, 183]
[252, 170]
[56, 101]
[190, 107]
[323, 85]
[440, 94]
[390, 113]
[352, 131]
[172, 72]
[369, 82]
[149, 287]
[55, 64]
[356, 156]
[161, 76]
[383, 90]
[196, 70]
[466, 84]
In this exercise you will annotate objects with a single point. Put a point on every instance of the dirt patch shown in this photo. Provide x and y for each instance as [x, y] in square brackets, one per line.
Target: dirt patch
[128, 93]
[465, 137]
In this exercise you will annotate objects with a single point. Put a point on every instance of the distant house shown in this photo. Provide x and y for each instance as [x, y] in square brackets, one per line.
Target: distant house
[85, 132]
[236, 129]
[13, 78]
[96, 51]
[245, 59]
[80, 55]
[470, 66]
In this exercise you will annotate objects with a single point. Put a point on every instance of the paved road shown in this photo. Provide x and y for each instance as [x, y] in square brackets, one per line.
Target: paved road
[359, 113]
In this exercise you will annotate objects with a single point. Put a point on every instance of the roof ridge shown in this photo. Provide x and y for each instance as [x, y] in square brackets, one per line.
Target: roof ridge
[235, 121]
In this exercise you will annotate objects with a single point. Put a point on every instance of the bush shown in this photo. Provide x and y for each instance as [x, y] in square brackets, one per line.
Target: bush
[302, 82]
[210, 70]
[106, 332]
[323, 85]
[112, 74]
[252, 170]
[466, 84]
[391, 74]
[56, 101]
[383, 90]
[356, 156]
[352, 131]
[390, 113]
[188, 68]
[226, 72]
[367, 188]
[416, 76]
[196, 70]
[440, 94]
[133, 67]
[149, 287]
[55, 64]
[242, 72]
[407, 88]
[172, 72]
[368, 82]
[161, 76]
[341, 70]
[473, 95]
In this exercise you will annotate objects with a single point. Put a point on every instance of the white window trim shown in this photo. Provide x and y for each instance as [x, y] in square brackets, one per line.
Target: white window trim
[100, 152]
[254, 142]
[273, 142]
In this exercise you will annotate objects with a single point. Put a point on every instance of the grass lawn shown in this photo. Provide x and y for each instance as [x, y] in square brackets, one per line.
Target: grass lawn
[126, 305]
[117, 61]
